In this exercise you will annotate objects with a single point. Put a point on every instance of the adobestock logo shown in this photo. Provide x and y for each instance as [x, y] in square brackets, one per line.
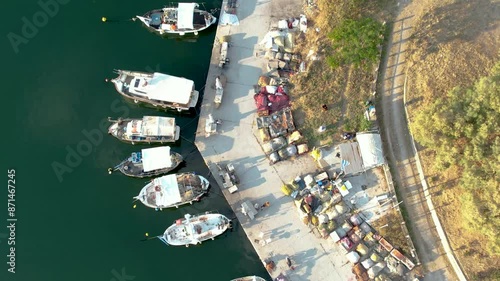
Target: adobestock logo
[121, 275]
[92, 138]
[30, 28]
[84, 148]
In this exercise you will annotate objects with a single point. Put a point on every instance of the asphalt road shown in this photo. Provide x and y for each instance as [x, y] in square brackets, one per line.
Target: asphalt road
[401, 157]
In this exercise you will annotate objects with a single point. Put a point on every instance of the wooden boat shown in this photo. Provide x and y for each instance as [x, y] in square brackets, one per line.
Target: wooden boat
[157, 89]
[149, 129]
[249, 278]
[185, 18]
[173, 190]
[194, 230]
[149, 162]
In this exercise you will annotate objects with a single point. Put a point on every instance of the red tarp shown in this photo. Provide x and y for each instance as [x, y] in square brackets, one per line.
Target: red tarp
[271, 102]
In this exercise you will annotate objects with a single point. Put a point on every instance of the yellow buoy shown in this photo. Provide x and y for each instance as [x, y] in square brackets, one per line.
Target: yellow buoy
[135, 206]
[147, 234]
[104, 19]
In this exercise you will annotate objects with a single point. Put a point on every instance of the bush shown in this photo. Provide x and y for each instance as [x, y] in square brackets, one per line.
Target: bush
[462, 129]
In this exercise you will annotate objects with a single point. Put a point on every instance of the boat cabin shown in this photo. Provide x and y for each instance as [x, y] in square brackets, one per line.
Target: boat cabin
[151, 127]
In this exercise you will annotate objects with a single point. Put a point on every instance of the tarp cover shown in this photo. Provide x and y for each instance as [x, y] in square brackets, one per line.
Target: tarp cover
[158, 126]
[156, 158]
[170, 88]
[261, 102]
[185, 14]
[370, 146]
[271, 102]
[351, 158]
[169, 193]
[228, 19]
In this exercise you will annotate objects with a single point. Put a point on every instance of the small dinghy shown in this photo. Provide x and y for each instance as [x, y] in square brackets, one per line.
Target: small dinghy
[149, 162]
[149, 129]
[249, 278]
[173, 190]
[183, 19]
[194, 230]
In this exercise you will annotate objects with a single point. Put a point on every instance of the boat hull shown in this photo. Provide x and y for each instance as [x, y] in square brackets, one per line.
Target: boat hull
[197, 27]
[195, 230]
[131, 169]
[191, 188]
[116, 129]
[126, 76]
[249, 278]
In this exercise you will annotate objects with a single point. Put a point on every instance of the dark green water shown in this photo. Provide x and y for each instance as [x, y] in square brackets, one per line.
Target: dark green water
[82, 226]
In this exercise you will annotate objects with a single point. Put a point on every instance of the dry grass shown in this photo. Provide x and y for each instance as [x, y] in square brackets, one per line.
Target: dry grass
[454, 44]
[344, 90]
[389, 226]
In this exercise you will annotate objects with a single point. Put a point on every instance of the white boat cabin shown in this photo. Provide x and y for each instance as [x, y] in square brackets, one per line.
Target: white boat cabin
[162, 87]
[152, 126]
[156, 158]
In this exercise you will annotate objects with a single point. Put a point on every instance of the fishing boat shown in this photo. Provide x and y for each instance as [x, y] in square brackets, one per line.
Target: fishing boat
[173, 190]
[149, 162]
[157, 89]
[249, 278]
[194, 230]
[149, 129]
[185, 18]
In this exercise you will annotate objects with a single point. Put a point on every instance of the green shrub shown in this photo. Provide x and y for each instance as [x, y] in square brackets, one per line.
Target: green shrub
[462, 129]
[356, 42]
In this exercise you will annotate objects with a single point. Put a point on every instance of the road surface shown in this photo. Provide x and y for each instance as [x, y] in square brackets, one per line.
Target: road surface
[402, 158]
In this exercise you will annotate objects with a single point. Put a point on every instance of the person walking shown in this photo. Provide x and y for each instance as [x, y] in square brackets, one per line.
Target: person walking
[289, 263]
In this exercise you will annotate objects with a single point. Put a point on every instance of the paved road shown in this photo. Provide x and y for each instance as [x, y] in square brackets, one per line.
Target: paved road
[401, 156]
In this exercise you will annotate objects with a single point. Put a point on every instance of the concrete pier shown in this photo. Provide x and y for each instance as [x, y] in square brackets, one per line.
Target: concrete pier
[276, 232]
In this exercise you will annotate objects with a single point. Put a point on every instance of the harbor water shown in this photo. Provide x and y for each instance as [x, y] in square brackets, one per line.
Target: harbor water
[70, 219]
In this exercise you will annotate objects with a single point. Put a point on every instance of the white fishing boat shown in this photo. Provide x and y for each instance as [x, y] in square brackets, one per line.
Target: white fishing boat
[183, 19]
[149, 162]
[194, 230]
[249, 278]
[149, 129]
[157, 89]
[173, 190]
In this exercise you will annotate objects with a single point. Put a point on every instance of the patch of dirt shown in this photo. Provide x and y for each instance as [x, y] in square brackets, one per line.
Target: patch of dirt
[454, 44]
[343, 90]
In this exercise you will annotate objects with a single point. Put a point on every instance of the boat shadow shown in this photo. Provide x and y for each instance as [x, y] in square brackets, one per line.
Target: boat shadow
[192, 112]
[246, 8]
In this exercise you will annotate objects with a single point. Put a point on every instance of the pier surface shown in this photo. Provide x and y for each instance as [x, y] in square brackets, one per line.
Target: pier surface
[277, 231]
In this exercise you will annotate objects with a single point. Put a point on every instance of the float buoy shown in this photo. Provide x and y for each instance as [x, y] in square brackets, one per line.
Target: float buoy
[104, 19]
[134, 206]
[147, 234]
[110, 171]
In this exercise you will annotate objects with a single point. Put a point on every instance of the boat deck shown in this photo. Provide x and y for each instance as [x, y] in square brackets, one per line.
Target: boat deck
[122, 133]
[131, 168]
[190, 188]
[198, 229]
